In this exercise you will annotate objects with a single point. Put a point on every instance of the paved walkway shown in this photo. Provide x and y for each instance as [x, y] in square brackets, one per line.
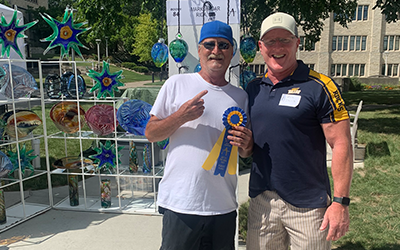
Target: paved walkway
[66, 230]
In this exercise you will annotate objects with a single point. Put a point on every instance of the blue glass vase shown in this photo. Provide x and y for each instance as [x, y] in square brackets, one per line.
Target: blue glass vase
[178, 49]
[246, 77]
[159, 53]
[248, 48]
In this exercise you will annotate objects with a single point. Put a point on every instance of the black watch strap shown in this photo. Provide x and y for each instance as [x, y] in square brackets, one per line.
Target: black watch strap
[342, 200]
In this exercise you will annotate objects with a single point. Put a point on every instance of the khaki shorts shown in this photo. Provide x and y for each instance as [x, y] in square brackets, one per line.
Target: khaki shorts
[274, 224]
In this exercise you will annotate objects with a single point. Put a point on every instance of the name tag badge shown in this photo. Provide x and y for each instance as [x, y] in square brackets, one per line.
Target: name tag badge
[289, 100]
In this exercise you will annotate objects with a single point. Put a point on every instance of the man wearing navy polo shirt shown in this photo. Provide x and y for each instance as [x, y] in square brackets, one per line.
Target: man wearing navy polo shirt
[294, 111]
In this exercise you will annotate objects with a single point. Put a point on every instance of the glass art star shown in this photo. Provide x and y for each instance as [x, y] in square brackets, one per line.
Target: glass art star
[65, 34]
[25, 159]
[106, 156]
[106, 82]
[9, 32]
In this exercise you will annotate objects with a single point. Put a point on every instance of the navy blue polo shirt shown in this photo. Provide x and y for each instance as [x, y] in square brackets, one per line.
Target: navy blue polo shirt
[289, 154]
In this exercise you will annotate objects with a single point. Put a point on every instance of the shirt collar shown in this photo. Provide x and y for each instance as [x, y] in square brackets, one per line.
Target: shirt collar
[300, 74]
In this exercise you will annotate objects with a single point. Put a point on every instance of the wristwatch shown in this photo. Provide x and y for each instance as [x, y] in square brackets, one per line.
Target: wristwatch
[342, 200]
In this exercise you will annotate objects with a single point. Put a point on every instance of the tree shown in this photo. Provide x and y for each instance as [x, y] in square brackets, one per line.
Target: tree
[390, 8]
[145, 35]
[310, 14]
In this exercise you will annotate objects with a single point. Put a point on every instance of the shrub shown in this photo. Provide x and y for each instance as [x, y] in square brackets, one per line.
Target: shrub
[243, 210]
[129, 65]
[141, 69]
[355, 84]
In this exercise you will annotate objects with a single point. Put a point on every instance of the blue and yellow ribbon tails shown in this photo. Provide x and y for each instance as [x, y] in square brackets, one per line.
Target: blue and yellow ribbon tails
[223, 152]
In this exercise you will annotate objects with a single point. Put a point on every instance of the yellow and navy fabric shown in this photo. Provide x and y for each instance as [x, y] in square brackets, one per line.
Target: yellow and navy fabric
[289, 153]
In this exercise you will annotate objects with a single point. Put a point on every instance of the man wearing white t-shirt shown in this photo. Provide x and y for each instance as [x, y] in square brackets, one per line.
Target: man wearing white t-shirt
[199, 205]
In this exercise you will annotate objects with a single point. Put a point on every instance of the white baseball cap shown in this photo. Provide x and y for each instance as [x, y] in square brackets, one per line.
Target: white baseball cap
[278, 20]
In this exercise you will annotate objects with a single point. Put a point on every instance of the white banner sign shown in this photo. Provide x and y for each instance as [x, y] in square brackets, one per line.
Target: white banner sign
[197, 12]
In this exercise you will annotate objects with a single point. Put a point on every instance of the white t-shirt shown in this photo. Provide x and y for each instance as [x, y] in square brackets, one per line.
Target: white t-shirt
[186, 187]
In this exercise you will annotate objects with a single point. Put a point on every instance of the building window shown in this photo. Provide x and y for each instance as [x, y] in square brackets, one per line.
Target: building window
[259, 69]
[361, 13]
[352, 38]
[392, 70]
[356, 43]
[334, 43]
[391, 42]
[345, 42]
[347, 70]
[305, 42]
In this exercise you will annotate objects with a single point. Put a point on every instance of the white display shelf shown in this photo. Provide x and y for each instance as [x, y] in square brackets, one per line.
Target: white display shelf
[25, 194]
[93, 204]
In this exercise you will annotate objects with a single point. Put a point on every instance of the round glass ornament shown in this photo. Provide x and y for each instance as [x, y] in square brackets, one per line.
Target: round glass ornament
[159, 53]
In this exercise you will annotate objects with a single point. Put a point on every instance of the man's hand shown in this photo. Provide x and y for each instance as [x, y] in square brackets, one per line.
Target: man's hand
[241, 137]
[337, 217]
[193, 108]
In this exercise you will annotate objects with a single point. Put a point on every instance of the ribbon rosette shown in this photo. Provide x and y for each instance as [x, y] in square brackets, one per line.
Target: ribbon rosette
[223, 152]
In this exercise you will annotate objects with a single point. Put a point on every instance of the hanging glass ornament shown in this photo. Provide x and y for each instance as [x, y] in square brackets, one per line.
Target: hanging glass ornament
[197, 68]
[248, 48]
[234, 47]
[246, 77]
[178, 48]
[159, 53]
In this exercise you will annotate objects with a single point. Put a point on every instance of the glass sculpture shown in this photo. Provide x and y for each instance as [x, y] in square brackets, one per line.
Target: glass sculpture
[101, 119]
[133, 116]
[65, 34]
[146, 159]
[3, 216]
[246, 77]
[5, 165]
[106, 82]
[23, 83]
[68, 86]
[105, 190]
[106, 157]
[159, 53]
[73, 190]
[197, 68]
[178, 49]
[248, 48]
[72, 163]
[24, 159]
[9, 32]
[52, 86]
[133, 160]
[65, 116]
[163, 144]
[234, 46]
[26, 121]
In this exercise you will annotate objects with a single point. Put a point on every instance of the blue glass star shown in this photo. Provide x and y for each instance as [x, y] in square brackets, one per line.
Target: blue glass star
[106, 82]
[65, 34]
[106, 155]
[9, 32]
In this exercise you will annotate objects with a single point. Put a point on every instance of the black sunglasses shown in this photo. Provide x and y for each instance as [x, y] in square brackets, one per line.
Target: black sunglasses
[211, 45]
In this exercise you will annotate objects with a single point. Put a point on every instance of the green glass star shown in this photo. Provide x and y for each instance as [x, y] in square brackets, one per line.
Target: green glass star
[106, 156]
[9, 32]
[106, 82]
[65, 34]
[25, 159]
